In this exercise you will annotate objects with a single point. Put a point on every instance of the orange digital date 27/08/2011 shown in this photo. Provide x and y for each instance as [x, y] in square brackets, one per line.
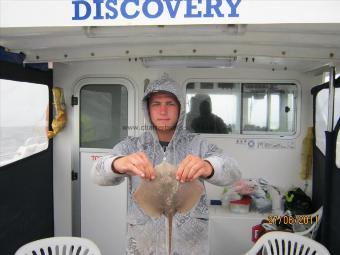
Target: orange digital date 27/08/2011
[288, 219]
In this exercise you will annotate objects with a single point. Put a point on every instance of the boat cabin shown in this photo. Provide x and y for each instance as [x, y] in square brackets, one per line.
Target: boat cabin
[70, 92]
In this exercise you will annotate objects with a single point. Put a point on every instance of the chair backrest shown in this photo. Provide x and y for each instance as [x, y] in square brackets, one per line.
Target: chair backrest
[285, 243]
[309, 230]
[60, 246]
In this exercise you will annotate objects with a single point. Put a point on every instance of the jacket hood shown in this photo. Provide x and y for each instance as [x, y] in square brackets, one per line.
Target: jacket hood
[165, 84]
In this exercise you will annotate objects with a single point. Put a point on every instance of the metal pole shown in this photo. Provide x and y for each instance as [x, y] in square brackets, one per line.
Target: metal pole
[330, 121]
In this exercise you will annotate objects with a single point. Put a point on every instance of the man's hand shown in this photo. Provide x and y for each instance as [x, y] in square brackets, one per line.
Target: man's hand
[193, 167]
[135, 164]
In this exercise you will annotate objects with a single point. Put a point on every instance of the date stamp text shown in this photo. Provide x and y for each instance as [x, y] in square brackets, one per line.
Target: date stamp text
[292, 220]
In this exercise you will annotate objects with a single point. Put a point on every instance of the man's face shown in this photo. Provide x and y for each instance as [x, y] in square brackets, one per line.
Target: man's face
[164, 111]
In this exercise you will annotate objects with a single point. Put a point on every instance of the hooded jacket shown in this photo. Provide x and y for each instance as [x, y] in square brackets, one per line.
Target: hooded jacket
[148, 235]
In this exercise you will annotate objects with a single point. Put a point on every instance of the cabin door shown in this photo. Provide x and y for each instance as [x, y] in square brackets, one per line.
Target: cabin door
[104, 112]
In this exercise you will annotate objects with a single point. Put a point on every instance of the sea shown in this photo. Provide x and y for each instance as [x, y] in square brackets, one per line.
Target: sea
[13, 139]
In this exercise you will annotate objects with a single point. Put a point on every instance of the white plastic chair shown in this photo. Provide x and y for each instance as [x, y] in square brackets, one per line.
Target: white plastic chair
[60, 246]
[309, 230]
[285, 243]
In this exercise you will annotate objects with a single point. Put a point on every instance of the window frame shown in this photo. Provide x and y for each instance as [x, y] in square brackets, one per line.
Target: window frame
[103, 80]
[320, 140]
[48, 118]
[251, 134]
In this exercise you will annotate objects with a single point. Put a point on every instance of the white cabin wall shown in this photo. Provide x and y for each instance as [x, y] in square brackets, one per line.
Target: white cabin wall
[62, 157]
[279, 167]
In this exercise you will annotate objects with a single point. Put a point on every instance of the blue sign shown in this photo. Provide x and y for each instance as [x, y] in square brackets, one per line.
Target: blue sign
[153, 9]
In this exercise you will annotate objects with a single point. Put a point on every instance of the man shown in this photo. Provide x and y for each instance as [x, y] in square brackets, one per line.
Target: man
[207, 121]
[136, 157]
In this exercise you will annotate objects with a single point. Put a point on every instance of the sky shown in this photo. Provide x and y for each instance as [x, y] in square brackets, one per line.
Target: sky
[22, 103]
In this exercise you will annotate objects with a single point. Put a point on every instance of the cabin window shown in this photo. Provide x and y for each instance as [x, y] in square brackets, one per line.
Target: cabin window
[103, 115]
[326, 76]
[321, 116]
[241, 108]
[23, 120]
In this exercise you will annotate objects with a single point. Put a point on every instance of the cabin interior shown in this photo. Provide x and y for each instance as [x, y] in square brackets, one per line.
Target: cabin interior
[259, 79]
